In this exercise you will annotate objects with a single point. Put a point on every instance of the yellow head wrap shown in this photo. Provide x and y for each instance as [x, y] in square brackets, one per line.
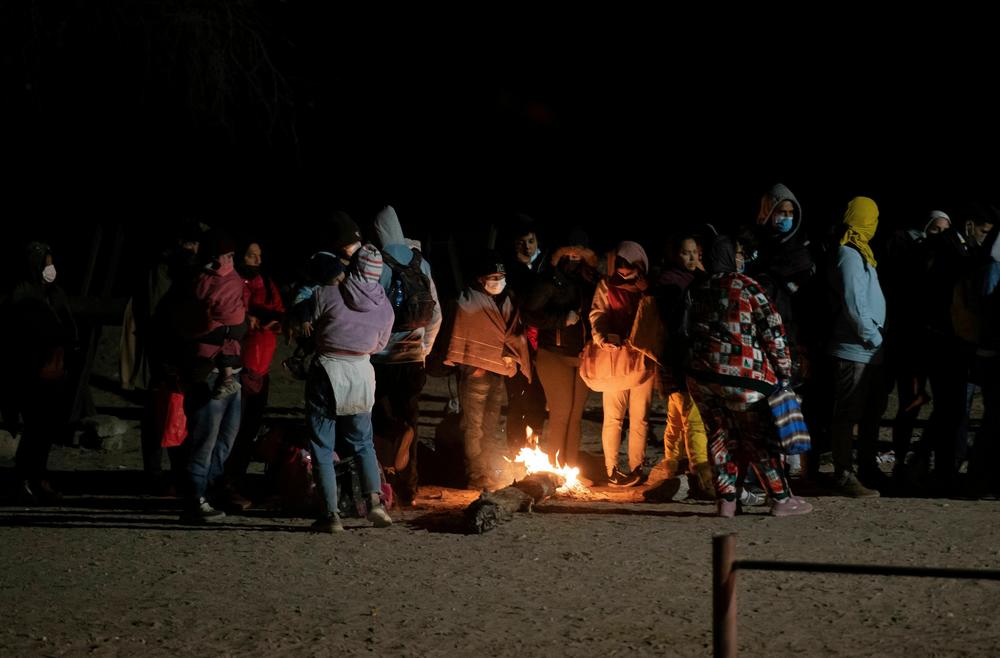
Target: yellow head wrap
[861, 220]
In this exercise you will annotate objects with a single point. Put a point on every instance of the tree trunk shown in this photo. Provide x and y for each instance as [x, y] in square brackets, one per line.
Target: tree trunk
[493, 508]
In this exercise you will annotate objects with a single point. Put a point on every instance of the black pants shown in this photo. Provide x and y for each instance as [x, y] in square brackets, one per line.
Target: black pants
[397, 409]
[860, 396]
[254, 405]
[948, 369]
[150, 437]
[525, 407]
[44, 409]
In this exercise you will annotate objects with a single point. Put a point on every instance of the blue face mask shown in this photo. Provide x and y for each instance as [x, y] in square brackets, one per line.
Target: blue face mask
[783, 224]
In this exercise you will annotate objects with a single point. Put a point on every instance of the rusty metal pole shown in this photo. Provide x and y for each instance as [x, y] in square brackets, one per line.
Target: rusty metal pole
[724, 596]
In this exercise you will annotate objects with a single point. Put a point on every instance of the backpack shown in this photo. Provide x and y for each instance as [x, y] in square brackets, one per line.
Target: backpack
[409, 293]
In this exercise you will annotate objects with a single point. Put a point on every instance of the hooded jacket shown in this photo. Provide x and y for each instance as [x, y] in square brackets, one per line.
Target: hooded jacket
[784, 265]
[857, 295]
[626, 308]
[735, 330]
[616, 301]
[354, 317]
[37, 321]
[404, 346]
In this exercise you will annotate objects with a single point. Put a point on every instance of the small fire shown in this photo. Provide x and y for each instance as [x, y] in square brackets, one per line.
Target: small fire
[536, 461]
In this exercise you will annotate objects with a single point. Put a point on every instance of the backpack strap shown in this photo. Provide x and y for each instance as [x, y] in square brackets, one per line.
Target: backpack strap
[392, 262]
[864, 261]
[416, 260]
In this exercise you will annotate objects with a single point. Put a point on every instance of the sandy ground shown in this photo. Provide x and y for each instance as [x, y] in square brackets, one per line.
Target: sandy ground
[112, 572]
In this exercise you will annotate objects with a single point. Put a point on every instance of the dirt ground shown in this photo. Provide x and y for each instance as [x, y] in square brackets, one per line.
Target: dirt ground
[113, 572]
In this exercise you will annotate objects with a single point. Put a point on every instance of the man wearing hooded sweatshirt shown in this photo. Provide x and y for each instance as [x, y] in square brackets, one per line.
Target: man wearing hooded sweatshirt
[856, 349]
[784, 265]
[352, 320]
[399, 368]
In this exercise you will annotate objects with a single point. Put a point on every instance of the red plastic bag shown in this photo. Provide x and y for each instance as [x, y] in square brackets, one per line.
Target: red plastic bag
[170, 418]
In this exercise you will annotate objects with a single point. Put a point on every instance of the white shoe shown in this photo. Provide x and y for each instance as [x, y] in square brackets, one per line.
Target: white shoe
[203, 512]
[379, 517]
[751, 498]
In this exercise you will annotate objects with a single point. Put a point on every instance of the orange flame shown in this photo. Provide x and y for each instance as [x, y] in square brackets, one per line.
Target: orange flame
[536, 461]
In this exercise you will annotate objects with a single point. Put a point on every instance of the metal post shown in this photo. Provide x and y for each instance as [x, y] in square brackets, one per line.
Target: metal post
[724, 596]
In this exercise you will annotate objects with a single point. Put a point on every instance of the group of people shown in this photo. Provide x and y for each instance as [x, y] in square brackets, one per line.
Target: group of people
[713, 327]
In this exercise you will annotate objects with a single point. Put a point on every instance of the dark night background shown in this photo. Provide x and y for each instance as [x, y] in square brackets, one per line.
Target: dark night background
[266, 116]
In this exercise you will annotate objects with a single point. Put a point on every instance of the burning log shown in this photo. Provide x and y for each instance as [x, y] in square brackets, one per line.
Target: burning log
[544, 480]
[493, 508]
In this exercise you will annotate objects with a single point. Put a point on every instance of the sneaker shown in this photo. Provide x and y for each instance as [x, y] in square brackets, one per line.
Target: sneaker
[848, 485]
[203, 512]
[751, 498]
[379, 517]
[619, 479]
[225, 388]
[328, 524]
[790, 506]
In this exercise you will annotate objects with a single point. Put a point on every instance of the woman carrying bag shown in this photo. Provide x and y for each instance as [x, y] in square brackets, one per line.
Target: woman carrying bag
[621, 360]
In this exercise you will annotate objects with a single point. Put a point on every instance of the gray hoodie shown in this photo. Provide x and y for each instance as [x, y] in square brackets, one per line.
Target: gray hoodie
[770, 200]
[404, 346]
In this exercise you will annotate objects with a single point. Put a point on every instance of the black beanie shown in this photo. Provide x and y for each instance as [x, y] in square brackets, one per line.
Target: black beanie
[342, 231]
[214, 243]
[577, 238]
[488, 262]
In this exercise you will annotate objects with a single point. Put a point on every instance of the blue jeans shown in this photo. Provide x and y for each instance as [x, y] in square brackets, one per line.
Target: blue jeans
[212, 428]
[353, 440]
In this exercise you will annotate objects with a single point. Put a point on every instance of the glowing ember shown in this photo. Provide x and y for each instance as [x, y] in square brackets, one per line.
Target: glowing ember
[536, 461]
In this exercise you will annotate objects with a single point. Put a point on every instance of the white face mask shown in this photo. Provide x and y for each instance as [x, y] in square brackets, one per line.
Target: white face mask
[49, 273]
[495, 287]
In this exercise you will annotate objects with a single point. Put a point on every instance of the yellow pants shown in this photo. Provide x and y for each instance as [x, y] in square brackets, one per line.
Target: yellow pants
[685, 434]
